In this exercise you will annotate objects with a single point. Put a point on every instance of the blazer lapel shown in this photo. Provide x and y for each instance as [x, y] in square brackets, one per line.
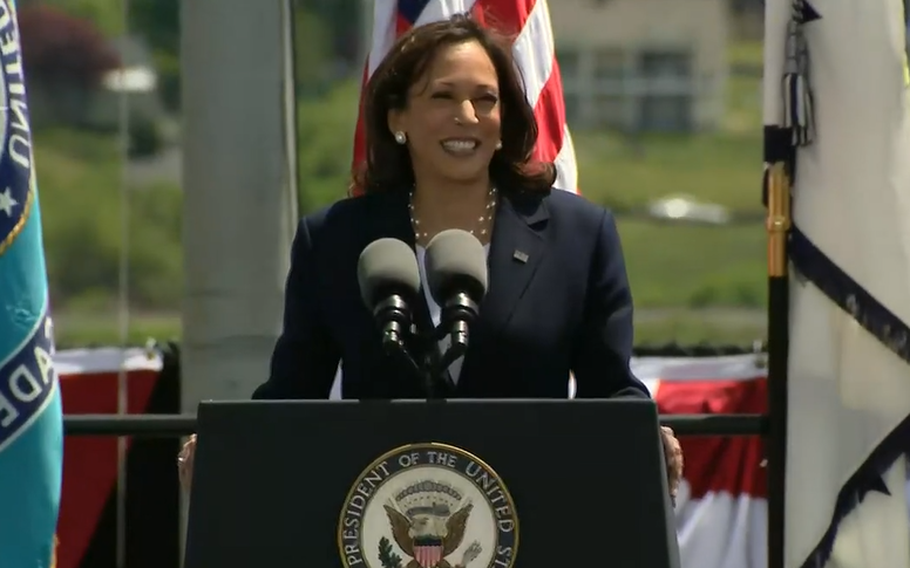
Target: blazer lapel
[516, 250]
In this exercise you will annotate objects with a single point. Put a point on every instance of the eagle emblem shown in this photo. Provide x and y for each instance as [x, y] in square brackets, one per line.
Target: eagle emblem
[428, 505]
[428, 520]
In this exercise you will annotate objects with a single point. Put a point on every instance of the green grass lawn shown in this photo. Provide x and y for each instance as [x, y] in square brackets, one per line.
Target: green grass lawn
[684, 265]
[723, 168]
[694, 266]
[96, 329]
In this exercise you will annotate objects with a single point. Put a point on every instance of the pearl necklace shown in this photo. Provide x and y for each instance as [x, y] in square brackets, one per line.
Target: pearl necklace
[483, 222]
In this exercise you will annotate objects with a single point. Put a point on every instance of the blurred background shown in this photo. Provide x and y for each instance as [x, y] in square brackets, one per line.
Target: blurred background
[662, 96]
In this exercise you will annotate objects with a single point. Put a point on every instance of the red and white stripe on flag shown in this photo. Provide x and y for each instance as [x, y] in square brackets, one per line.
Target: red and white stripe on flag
[529, 22]
[721, 512]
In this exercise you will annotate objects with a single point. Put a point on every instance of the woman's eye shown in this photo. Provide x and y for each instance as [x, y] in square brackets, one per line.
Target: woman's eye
[486, 102]
[442, 95]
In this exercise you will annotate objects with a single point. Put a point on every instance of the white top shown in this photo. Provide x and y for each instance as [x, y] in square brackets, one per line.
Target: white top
[436, 311]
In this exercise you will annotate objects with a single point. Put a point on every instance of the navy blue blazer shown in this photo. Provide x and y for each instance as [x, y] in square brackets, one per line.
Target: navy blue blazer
[567, 307]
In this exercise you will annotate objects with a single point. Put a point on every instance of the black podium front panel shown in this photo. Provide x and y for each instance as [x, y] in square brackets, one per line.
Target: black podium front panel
[479, 484]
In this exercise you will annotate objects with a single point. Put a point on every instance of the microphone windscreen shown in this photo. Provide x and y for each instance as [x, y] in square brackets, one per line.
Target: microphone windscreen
[387, 266]
[456, 262]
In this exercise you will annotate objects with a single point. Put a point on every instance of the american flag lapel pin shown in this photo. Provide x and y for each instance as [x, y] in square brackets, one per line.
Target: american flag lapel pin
[520, 256]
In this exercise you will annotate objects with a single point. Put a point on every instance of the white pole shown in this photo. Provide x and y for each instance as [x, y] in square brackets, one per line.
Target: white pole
[239, 191]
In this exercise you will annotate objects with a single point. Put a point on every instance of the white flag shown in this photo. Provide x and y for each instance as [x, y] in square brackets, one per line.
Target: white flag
[849, 376]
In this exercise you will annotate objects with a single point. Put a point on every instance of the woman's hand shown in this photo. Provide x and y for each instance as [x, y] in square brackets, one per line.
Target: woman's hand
[185, 462]
[674, 455]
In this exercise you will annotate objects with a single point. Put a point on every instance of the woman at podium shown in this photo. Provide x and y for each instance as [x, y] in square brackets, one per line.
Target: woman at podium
[449, 136]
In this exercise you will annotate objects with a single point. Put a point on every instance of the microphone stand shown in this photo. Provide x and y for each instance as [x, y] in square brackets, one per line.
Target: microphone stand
[431, 376]
[431, 366]
[436, 365]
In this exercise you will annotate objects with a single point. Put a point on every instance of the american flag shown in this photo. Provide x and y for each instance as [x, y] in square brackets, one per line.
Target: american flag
[529, 22]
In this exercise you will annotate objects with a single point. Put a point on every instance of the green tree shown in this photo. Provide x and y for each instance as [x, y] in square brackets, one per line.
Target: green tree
[325, 128]
[106, 15]
[312, 54]
[158, 22]
[80, 178]
[343, 21]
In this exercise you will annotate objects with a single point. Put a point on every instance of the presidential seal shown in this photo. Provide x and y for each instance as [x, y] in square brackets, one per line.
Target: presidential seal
[428, 505]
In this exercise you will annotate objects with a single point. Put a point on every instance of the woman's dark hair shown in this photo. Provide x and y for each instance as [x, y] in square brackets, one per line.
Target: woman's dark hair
[388, 164]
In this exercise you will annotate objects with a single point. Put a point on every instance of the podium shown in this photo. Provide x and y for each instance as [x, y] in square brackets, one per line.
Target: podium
[440, 484]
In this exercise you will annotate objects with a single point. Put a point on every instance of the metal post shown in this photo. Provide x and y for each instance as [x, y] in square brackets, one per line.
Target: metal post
[778, 227]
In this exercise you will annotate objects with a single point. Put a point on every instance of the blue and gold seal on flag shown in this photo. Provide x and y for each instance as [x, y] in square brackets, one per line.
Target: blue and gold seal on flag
[27, 380]
[31, 419]
[428, 505]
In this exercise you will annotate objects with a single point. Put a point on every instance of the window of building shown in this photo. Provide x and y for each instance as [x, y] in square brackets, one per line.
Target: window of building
[646, 90]
[665, 64]
[573, 107]
[666, 113]
[569, 63]
[608, 65]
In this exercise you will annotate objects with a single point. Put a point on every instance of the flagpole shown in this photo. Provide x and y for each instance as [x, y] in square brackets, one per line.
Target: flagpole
[778, 227]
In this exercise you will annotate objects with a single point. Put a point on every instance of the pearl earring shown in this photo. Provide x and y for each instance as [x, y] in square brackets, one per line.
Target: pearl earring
[499, 145]
[400, 137]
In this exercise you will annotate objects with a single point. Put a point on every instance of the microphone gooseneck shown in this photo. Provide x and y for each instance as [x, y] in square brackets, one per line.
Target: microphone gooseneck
[394, 317]
[458, 313]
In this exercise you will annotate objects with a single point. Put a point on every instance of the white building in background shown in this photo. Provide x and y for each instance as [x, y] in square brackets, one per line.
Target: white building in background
[643, 65]
[137, 79]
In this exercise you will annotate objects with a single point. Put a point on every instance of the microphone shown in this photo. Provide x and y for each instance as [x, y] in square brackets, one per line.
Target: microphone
[457, 278]
[389, 281]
